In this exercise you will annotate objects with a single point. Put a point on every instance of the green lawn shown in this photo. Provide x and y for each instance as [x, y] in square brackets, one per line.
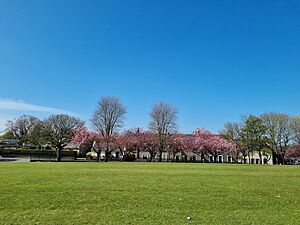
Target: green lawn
[148, 193]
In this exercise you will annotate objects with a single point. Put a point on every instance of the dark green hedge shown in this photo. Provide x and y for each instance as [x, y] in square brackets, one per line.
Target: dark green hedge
[34, 152]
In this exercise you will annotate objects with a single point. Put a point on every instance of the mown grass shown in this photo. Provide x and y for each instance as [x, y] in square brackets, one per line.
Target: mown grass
[148, 193]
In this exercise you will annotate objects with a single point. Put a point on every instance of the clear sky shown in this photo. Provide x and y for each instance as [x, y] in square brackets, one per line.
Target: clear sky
[213, 60]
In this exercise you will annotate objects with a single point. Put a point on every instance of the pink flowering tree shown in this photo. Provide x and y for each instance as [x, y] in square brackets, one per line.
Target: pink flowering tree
[182, 143]
[126, 142]
[148, 142]
[293, 152]
[175, 146]
[83, 136]
[209, 143]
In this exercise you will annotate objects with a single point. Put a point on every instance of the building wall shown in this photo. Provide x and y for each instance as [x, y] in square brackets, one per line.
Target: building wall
[192, 157]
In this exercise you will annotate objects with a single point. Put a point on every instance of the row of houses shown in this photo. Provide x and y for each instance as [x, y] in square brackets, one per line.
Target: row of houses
[191, 157]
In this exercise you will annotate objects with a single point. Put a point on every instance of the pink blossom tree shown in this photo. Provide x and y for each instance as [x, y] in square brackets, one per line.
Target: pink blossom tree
[148, 142]
[212, 144]
[83, 136]
[126, 142]
[293, 152]
[182, 143]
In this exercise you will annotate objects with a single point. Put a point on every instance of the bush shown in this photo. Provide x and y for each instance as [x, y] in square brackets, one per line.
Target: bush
[89, 155]
[129, 157]
[34, 152]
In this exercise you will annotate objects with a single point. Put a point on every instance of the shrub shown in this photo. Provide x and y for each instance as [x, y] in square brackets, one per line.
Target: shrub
[89, 155]
[34, 152]
[129, 157]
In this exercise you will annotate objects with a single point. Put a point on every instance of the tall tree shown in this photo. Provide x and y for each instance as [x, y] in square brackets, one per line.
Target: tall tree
[107, 119]
[279, 131]
[253, 136]
[59, 130]
[163, 118]
[22, 128]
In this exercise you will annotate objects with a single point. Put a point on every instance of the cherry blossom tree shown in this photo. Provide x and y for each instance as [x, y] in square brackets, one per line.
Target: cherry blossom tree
[293, 151]
[148, 141]
[182, 143]
[86, 138]
[126, 141]
[213, 144]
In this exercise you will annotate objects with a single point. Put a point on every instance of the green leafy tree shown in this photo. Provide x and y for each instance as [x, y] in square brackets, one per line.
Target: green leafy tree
[253, 136]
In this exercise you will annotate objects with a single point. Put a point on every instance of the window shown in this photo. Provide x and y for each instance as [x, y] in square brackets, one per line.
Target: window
[257, 161]
[211, 158]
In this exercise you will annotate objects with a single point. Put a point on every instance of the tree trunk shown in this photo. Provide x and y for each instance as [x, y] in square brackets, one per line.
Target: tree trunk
[151, 156]
[106, 156]
[106, 152]
[160, 156]
[98, 156]
[58, 154]
[202, 157]
[274, 158]
[281, 159]
[138, 153]
[260, 157]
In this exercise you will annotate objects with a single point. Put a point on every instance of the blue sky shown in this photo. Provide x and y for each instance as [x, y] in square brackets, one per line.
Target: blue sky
[213, 60]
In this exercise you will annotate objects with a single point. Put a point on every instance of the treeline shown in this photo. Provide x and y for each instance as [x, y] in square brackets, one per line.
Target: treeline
[270, 134]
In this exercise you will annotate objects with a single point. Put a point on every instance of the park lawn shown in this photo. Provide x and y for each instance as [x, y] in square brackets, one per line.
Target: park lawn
[148, 193]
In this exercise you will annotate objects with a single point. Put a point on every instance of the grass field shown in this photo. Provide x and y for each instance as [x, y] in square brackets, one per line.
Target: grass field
[148, 193]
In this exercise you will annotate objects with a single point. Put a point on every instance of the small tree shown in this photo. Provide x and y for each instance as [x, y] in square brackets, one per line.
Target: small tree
[163, 123]
[59, 130]
[107, 119]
